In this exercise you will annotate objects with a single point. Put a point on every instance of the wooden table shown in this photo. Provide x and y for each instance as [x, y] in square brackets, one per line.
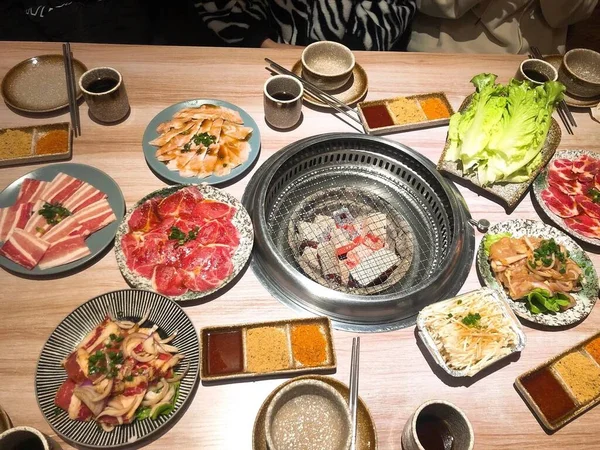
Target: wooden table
[395, 376]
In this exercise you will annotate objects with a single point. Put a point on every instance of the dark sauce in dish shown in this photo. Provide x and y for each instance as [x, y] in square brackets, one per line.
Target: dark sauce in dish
[377, 116]
[433, 433]
[225, 352]
[535, 75]
[102, 85]
[547, 392]
[283, 96]
[29, 443]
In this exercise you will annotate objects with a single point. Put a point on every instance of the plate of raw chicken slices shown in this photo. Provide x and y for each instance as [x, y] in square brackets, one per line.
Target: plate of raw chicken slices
[208, 141]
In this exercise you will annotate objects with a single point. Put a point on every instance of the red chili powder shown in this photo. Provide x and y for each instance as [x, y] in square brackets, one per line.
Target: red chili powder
[548, 394]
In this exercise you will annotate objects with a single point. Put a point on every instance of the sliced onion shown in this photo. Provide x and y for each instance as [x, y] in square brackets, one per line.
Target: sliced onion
[144, 317]
[166, 401]
[152, 397]
[132, 341]
[168, 339]
[87, 395]
[149, 346]
[142, 359]
[107, 427]
[124, 324]
[169, 348]
[178, 376]
[172, 362]
[135, 406]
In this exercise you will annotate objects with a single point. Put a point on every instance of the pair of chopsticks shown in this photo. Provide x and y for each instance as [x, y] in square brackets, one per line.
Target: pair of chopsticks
[71, 89]
[353, 396]
[317, 92]
[562, 109]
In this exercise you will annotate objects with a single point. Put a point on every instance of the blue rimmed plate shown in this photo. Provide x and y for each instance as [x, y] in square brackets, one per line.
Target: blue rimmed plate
[50, 375]
[173, 176]
[96, 242]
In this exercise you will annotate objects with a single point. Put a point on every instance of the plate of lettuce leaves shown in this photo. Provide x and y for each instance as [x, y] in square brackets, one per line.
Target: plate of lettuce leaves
[502, 136]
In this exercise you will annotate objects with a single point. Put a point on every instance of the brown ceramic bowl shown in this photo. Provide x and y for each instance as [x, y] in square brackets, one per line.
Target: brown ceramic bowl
[580, 72]
[327, 64]
[308, 414]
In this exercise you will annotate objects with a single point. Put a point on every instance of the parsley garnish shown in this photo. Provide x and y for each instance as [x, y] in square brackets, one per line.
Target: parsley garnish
[594, 195]
[471, 320]
[53, 212]
[176, 234]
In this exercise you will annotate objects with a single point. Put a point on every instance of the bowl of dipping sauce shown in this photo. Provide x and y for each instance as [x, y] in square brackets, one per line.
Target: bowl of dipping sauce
[438, 425]
[328, 65]
[580, 72]
[308, 415]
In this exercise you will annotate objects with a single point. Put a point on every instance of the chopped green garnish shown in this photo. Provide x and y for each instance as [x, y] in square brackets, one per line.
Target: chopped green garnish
[113, 336]
[459, 302]
[594, 195]
[129, 378]
[57, 411]
[204, 139]
[53, 212]
[177, 235]
[39, 230]
[471, 320]
[449, 315]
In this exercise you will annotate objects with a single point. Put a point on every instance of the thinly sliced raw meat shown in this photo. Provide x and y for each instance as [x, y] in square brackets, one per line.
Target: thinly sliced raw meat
[588, 207]
[30, 191]
[559, 203]
[66, 250]
[129, 243]
[61, 188]
[210, 210]
[145, 217]
[95, 216]
[585, 225]
[569, 187]
[65, 227]
[209, 233]
[24, 248]
[37, 223]
[84, 196]
[67, 401]
[13, 217]
[229, 234]
[168, 280]
[586, 164]
[180, 204]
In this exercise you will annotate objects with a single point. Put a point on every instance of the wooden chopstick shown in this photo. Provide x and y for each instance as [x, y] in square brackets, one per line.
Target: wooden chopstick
[537, 54]
[353, 394]
[316, 92]
[71, 90]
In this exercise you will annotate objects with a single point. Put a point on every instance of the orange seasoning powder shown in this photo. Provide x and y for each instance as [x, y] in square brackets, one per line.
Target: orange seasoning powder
[593, 348]
[309, 345]
[434, 108]
[53, 142]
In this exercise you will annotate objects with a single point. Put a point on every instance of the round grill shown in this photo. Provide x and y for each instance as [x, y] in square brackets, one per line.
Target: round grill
[296, 196]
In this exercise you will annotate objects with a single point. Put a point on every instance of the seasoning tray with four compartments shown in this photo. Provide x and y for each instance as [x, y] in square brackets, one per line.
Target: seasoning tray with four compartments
[564, 392]
[261, 349]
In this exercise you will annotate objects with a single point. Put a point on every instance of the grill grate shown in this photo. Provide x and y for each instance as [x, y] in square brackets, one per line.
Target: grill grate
[309, 192]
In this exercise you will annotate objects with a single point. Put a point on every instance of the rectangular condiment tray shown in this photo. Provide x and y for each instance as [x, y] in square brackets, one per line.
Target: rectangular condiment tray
[580, 407]
[490, 295]
[294, 367]
[36, 133]
[406, 126]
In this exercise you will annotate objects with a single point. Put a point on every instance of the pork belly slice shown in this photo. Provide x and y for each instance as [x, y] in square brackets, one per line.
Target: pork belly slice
[84, 196]
[374, 266]
[95, 216]
[24, 248]
[30, 191]
[61, 188]
[15, 216]
[64, 251]
[69, 226]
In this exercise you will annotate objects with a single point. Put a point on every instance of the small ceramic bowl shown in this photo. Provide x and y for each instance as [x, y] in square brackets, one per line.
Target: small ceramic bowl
[327, 64]
[536, 71]
[580, 72]
[29, 438]
[309, 415]
[435, 412]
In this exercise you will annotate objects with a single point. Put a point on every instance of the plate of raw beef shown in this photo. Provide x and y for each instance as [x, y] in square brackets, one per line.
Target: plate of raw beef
[568, 190]
[57, 218]
[184, 242]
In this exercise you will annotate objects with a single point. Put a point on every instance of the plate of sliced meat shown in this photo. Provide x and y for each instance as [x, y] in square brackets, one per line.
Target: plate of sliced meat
[184, 242]
[543, 274]
[568, 191]
[57, 218]
[208, 141]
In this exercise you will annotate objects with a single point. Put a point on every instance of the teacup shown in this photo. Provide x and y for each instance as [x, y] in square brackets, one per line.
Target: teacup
[26, 438]
[104, 92]
[440, 423]
[283, 101]
[580, 72]
[536, 71]
[327, 64]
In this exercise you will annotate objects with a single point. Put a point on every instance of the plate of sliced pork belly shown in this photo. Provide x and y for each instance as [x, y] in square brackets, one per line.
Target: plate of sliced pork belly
[568, 191]
[184, 242]
[117, 369]
[57, 218]
[201, 141]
